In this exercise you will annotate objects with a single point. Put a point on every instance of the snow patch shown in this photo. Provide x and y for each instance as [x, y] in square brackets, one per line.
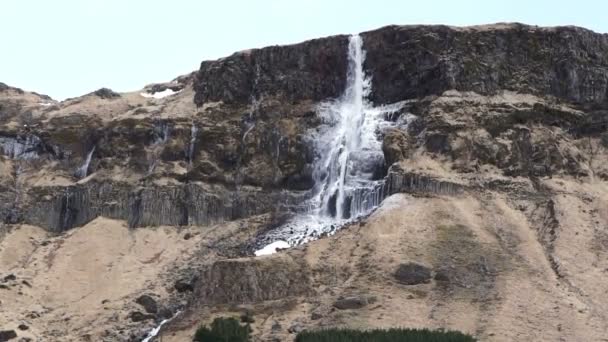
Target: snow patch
[160, 94]
[272, 248]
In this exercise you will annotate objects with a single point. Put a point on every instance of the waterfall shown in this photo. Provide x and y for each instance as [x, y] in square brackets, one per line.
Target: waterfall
[248, 122]
[336, 173]
[154, 332]
[82, 171]
[161, 133]
[277, 155]
[161, 136]
[349, 158]
[193, 131]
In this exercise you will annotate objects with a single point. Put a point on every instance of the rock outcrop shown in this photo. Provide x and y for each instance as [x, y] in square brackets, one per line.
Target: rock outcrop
[249, 281]
[408, 62]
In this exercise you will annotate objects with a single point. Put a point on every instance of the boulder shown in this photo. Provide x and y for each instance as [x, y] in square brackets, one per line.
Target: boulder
[137, 316]
[442, 275]
[353, 302]
[184, 285]
[296, 328]
[106, 93]
[412, 274]
[148, 303]
[7, 335]
[10, 277]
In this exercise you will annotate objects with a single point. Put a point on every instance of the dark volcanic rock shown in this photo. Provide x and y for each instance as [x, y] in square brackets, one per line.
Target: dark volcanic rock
[10, 277]
[412, 274]
[137, 316]
[61, 208]
[184, 285]
[158, 87]
[253, 280]
[312, 70]
[442, 275]
[407, 62]
[355, 302]
[5, 87]
[415, 61]
[7, 335]
[106, 93]
[165, 313]
[148, 303]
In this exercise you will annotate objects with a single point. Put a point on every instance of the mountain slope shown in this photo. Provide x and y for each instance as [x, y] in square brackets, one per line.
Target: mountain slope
[492, 172]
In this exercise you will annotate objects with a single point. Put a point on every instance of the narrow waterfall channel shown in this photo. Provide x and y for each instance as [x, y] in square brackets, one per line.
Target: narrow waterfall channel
[347, 173]
[83, 170]
[192, 144]
[154, 332]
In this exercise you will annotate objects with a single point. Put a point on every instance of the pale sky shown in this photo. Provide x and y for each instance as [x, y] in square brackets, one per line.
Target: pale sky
[65, 48]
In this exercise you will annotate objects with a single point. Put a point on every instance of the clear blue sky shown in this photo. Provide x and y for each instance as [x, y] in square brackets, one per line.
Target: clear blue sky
[66, 48]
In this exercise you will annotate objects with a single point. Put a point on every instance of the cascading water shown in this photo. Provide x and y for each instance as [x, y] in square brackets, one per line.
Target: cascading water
[337, 173]
[349, 158]
[249, 119]
[83, 170]
[154, 332]
[161, 133]
[161, 136]
[193, 132]
[248, 122]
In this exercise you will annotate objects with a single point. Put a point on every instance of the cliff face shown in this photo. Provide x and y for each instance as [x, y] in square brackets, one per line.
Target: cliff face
[408, 62]
[416, 61]
[498, 133]
[313, 70]
[255, 110]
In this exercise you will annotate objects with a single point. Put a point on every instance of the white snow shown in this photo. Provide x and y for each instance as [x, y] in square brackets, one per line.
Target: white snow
[160, 94]
[272, 248]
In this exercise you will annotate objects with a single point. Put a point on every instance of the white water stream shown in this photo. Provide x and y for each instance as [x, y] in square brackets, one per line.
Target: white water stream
[83, 170]
[191, 146]
[152, 334]
[349, 158]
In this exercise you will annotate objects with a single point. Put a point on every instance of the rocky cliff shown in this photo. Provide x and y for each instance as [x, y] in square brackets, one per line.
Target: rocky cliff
[497, 134]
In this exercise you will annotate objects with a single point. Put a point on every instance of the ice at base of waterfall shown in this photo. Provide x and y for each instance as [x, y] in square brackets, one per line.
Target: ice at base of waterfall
[272, 248]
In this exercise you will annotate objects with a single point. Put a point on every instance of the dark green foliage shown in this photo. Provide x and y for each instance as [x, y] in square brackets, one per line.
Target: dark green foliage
[223, 330]
[391, 335]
